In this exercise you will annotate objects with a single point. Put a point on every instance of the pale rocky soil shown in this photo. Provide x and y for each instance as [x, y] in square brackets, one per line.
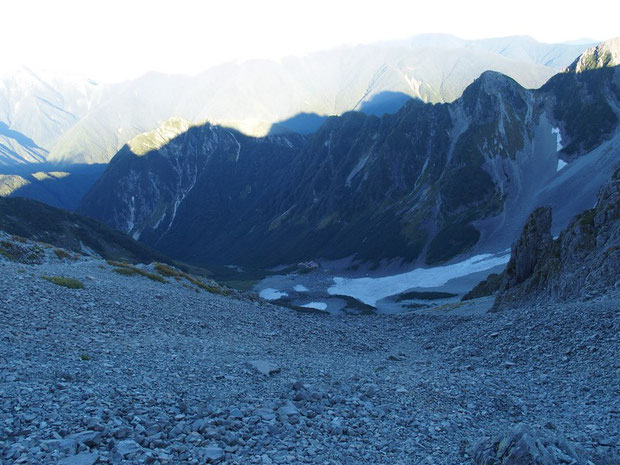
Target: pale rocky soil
[129, 370]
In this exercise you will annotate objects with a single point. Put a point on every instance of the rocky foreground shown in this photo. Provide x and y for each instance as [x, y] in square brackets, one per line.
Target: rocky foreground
[131, 370]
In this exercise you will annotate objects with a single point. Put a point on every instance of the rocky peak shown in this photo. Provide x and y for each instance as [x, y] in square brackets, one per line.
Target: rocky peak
[485, 96]
[605, 54]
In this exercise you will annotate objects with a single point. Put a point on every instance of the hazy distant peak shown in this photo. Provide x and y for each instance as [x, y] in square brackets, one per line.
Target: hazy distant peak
[155, 139]
[605, 54]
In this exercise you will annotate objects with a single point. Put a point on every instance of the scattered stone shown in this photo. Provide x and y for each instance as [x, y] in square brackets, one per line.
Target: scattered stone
[128, 447]
[264, 367]
[521, 446]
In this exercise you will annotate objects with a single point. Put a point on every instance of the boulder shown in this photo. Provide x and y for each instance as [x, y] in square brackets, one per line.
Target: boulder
[522, 446]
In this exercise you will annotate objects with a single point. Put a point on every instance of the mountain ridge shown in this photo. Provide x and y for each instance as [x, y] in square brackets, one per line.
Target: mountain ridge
[82, 122]
[393, 186]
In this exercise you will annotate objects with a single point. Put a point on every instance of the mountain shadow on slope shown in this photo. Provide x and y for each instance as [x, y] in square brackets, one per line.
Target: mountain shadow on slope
[61, 186]
[425, 185]
[383, 103]
[301, 123]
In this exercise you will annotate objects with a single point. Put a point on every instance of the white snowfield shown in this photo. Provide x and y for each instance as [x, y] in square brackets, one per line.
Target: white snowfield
[558, 147]
[561, 164]
[300, 288]
[271, 294]
[371, 290]
[316, 305]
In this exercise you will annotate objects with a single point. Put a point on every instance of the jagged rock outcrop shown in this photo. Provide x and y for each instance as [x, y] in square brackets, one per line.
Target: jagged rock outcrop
[583, 261]
[522, 446]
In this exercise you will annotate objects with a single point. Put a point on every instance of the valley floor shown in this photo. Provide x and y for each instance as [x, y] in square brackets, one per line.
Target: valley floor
[129, 370]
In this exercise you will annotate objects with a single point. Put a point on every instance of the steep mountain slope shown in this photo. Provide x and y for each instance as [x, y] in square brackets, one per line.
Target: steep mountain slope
[39, 222]
[426, 184]
[220, 169]
[254, 95]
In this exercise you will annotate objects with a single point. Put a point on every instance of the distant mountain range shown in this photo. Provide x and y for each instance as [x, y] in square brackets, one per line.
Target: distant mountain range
[426, 184]
[64, 120]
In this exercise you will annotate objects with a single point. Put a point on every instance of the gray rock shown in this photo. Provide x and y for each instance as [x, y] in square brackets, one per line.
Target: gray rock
[85, 458]
[89, 438]
[128, 447]
[213, 453]
[521, 446]
[264, 367]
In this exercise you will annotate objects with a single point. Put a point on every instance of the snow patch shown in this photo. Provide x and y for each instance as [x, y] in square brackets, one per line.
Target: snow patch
[561, 164]
[558, 139]
[371, 290]
[300, 288]
[316, 305]
[271, 294]
[355, 170]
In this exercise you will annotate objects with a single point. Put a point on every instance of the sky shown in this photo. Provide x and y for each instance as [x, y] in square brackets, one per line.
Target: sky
[113, 40]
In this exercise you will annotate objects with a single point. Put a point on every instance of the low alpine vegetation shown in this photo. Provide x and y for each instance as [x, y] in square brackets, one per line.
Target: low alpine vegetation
[126, 269]
[64, 281]
[170, 272]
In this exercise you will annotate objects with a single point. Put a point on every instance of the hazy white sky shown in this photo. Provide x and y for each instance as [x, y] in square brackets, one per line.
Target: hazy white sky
[119, 39]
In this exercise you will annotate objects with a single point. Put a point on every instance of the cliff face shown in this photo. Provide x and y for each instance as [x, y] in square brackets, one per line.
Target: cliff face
[582, 262]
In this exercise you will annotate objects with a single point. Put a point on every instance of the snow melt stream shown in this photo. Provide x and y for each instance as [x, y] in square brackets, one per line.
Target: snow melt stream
[371, 290]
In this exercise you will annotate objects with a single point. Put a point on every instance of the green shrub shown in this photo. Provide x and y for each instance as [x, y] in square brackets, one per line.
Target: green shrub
[125, 271]
[129, 270]
[63, 281]
[62, 254]
[169, 272]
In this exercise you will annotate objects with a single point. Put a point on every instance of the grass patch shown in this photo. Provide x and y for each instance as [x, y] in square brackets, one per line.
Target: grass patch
[63, 281]
[415, 306]
[62, 254]
[354, 304]
[448, 306]
[430, 295]
[587, 218]
[170, 272]
[85, 357]
[125, 269]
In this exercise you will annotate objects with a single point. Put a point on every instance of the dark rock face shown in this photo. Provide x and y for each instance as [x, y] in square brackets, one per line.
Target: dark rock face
[583, 261]
[532, 248]
[521, 446]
